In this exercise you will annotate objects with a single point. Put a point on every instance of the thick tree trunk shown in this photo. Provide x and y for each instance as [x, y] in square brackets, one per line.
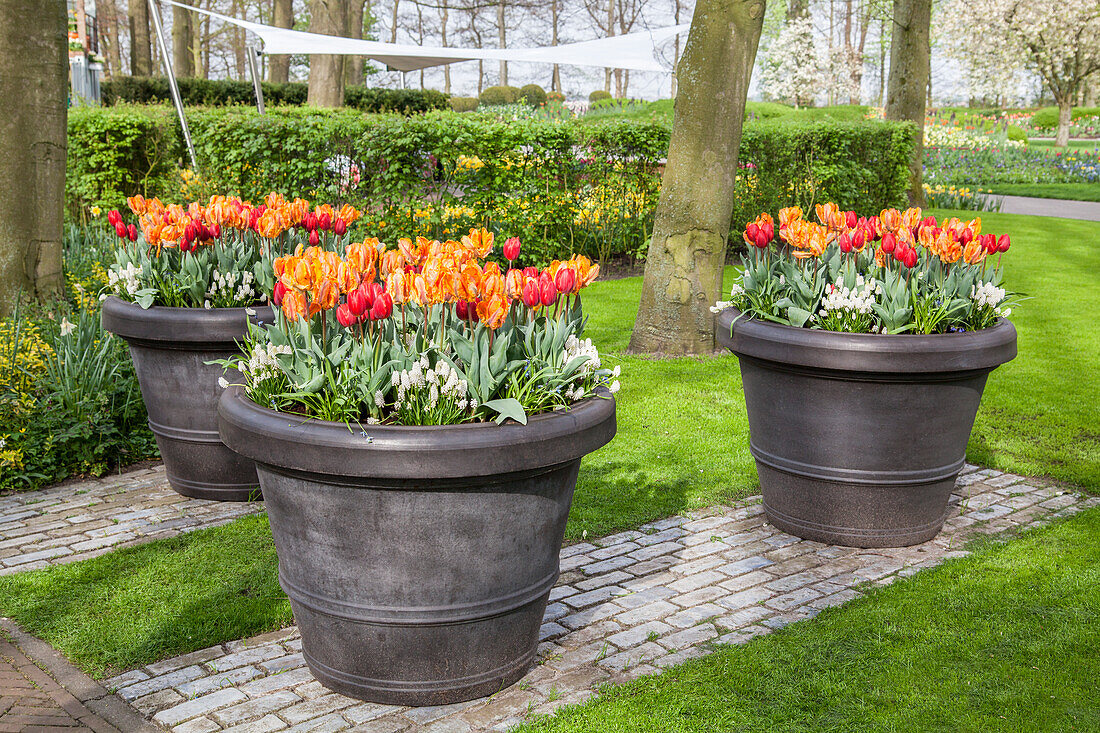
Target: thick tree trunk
[502, 42]
[683, 272]
[353, 65]
[141, 56]
[282, 16]
[1065, 117]
[182, 58]
[908, 81]
[326, 72]
[109, 37]
[33, 91]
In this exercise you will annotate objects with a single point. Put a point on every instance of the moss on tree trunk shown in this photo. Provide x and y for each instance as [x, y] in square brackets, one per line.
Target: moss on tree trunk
[33, 93]
[683, 273]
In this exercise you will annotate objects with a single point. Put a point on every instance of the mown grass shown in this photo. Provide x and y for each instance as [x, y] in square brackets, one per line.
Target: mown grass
[1068, 191]
[682, 443]
[1005, 640]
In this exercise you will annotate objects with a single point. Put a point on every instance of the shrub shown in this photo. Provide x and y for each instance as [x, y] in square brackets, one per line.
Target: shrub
[1047, 117]
[532, 94]
[464, 104]
[598, 95]
[1015, 132]
[499, 95]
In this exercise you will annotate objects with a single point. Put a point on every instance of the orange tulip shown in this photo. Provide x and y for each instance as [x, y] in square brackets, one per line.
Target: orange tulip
[396, 286]
[513, 283]
[295, 305]
[470, 283]
[890, 219]
[418, 289]
[974, 252]
[493, 310]
[788, 216]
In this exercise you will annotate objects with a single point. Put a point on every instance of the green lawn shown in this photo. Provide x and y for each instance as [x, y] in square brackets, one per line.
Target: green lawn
[682, 443]
[1005, 640]
[1070, 191]
[1076, 144]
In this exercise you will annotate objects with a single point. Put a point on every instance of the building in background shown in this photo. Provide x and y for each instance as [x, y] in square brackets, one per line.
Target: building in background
[85, 63]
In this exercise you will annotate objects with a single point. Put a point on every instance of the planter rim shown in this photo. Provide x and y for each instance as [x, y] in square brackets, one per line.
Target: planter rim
[412, 452]
[163, 325]
[981, 350]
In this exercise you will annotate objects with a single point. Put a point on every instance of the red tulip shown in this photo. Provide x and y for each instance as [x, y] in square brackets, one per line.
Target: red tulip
[324, 222]
[531, 295]
[888, 242]
[751, 231]
[132, 233]
[120, 230]
[565, 280]
[531, 272]
[113, 217]
[357, 302]
[857, 239]
[548, 293]
[314, 238]
[277, 295]
[965, 237]
[845, 241]
[345, 316]
[339, 227]
[511, 248]
[309, 221]
[769, 230]
[762, 239]
[911, 258]
[851, 219]
[1004, 243]
[462, 310]
[185, 244]
[382, 308]
[215, 231]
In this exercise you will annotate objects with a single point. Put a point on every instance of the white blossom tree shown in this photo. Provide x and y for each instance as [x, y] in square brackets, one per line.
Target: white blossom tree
[1057, 39]
[792, 71]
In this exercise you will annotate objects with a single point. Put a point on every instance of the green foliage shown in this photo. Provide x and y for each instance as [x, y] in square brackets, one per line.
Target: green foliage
[464, 104]
[1015, 132]
[1047, 117]
[118, 153]
[220, 92]
[767, 110]
[598, 95]
[499, 95]
[532, 94]
[555, 97]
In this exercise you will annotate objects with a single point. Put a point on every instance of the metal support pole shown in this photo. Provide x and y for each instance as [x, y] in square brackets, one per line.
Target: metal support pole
[155, 12]
[253, 55]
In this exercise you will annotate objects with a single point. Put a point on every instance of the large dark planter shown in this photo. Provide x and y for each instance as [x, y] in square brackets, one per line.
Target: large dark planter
[858, 438]
[418, 560]
[170, 348]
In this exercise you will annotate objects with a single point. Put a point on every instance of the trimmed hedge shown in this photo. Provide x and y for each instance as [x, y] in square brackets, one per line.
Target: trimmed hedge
[464, 104]
[499, 95]
[532, 94]
[1047, 117]
[586, 185]
[220, 92]
[598, 95]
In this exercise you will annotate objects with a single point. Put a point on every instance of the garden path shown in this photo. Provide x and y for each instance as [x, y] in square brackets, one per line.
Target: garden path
[1086, 210]
[626, 605]
[80, 520]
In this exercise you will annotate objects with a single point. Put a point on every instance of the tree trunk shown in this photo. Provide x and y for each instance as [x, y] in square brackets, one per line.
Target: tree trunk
[502, 42]
[393, 21]
[282, 16]
[445, 13]
[1065, 117]
[610, 32]
[34, 90]
[908, 81]
[353, 65]
[181, 42]
[555, 20]
[109, 37]
[141, 57]
[683, 271]
[326, 72]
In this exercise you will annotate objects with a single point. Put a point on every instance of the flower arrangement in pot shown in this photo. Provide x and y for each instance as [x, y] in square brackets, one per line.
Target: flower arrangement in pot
[865, 344]
[183, 290]
[418, 417]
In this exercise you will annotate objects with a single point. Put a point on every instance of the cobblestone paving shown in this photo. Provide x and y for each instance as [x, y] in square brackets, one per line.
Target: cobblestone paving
[625, 606]
[82, 520]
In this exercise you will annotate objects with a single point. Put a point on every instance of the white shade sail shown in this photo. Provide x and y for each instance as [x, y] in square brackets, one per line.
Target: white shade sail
[634, 51]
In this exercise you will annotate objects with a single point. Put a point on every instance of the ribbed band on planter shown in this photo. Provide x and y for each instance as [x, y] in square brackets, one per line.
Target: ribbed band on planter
[170, 348]
[418, 560]
[858, 438]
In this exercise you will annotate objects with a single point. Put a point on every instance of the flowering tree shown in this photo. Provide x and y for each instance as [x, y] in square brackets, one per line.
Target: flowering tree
[792, 71]
[1058, 39]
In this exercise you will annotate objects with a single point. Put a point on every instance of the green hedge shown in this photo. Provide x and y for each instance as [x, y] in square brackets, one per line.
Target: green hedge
[221, 92]
[585, 185]
[1047, 117]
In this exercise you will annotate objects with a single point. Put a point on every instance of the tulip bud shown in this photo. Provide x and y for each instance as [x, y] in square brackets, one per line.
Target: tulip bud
[120, 230]
[309, 221]
[357, 302]
[845, 241]
[511, 248]
[857, 239]
[565, 280]
[761, 239]
[314, 238]
[278, 293]
[888, 242]
[462, 310]
[1004, 243]
[751, 231]
[324, 222]
[382, 308]
[339, 227]
[113, 217]
[531, 294]
[911, 258]
[851, 219]
[900, 252]
[548, 293]
[345, 316]
[131, 231]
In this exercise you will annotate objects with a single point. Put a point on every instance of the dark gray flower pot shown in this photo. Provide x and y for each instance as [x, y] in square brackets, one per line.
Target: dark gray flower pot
[170, 348]
[418, 560]
[858, 438]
